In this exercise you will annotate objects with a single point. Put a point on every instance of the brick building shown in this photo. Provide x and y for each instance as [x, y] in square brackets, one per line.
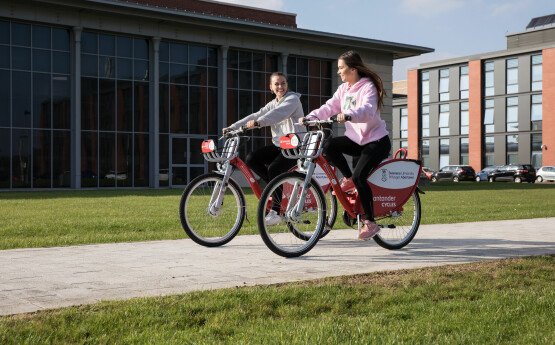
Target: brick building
[494, 108]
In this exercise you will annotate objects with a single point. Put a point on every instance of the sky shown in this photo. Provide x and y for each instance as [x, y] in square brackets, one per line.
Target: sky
[454, 28]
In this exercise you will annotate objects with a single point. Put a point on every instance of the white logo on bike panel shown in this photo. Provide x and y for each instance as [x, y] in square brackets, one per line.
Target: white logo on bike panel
[395, 175]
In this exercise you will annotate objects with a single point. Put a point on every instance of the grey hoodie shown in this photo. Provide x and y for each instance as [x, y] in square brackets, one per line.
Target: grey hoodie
[281, 116]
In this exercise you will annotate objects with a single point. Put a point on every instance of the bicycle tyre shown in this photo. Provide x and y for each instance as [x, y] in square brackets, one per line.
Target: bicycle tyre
[331, 212]
[203, 228]
[290, 239]
[398, 230]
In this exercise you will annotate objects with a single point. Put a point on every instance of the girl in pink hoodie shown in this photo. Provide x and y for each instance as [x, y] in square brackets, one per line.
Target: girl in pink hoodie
[360, 97]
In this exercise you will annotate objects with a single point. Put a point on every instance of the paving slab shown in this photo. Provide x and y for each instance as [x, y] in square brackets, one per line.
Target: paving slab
[42, 278]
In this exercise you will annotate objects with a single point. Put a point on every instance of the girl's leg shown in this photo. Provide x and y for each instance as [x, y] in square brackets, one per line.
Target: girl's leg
[258, 160]
[371, 156]
[334, 149]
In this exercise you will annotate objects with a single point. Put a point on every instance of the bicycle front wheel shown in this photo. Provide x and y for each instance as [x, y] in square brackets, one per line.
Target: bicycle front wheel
[294, 235]
[399, 228]
[216, 226]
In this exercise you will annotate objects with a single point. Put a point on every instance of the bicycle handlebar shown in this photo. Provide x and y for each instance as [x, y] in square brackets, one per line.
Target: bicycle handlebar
[235, 132]
[321, 122]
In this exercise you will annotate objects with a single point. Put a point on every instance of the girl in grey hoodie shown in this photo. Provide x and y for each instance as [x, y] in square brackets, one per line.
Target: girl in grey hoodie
[281, 114]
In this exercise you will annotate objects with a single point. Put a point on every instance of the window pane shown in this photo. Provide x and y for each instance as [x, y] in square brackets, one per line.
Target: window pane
[21, 158]
[21, 99]
[107, 44]
[141, 160]
[125, 105]
[4, 98]
[89, 42]
[197, 55]
[60, 62]
[178, 52]
[140, 48]
[107, 104]
[60, 39]
[42, 100]
[141, 107]
[61, 162]
[21, 58]
[42, 148]
[21, 34]
[124, 46]
[61, 96]
[41, 37]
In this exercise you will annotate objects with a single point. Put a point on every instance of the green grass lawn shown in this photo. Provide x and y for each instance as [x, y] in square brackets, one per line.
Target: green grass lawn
[54, 218]
[507, 301]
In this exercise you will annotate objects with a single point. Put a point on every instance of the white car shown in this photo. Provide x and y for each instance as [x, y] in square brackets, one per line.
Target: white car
[545, 173]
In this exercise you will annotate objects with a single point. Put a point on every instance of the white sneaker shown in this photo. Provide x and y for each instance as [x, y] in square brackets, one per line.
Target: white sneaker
[272, 218]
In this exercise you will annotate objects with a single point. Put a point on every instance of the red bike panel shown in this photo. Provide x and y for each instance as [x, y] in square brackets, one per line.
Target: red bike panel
[393, 183]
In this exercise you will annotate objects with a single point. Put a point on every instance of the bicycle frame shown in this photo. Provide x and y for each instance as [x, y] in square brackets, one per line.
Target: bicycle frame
[391, 190]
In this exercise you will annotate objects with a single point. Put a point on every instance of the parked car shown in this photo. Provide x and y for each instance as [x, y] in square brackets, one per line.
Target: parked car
[545, 173]
[513, 172]
[453, 173]
[428, 172]
[482, 175]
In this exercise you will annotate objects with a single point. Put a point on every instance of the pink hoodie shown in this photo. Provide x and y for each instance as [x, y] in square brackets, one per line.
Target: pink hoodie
[360, 102]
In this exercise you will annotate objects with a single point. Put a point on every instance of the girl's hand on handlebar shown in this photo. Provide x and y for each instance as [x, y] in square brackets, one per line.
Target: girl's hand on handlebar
[343, 118]
[225, 130]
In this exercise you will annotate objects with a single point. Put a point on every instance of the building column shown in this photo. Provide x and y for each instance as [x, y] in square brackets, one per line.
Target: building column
[548, 107]
[475, 114]
[284, 57]
[413, 136]
[154, 114]
[222, 89]
[76, 111]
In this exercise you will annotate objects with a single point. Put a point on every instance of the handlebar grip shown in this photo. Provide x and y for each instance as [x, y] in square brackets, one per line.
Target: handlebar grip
[348, 118]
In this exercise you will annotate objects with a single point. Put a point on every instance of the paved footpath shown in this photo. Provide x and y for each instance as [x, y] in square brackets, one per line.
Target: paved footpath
[42, 278]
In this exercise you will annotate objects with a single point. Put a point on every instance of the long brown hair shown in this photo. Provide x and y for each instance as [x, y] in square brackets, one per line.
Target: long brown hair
[353, 60]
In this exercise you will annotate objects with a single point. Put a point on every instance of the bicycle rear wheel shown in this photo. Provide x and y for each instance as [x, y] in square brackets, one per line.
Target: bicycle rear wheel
[398, 229]
[216, 228]
[292, 238]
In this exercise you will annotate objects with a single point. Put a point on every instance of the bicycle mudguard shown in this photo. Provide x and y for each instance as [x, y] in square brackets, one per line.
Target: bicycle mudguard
[393, 182]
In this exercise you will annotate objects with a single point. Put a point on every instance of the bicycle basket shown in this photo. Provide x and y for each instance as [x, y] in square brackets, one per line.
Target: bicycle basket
[310, 147]
[213, 154]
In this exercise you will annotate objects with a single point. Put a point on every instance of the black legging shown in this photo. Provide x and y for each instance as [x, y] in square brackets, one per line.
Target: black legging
[276, 163]
[369, 156]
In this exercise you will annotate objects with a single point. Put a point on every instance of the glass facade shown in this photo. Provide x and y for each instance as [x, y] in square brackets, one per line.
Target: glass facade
[35, 99]
[512, 114]
[536, 113]
[116, 129]
[312, 79]
[114, 110]
[426, 121]
[512, 149]
[489, 148]
[188, 109]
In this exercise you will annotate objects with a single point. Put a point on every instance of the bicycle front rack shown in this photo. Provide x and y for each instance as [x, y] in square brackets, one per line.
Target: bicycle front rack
[310, 147]
[227, 153]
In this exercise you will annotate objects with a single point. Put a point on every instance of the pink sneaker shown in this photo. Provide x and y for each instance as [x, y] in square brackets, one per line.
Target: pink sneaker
[369, 230]
[347, 185]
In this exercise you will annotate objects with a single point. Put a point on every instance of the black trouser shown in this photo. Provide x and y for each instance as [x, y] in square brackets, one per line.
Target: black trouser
[276, 163]
[369, 156]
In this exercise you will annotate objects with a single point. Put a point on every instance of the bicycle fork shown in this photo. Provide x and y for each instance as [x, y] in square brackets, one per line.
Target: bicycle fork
[215, 205]
[296, 203]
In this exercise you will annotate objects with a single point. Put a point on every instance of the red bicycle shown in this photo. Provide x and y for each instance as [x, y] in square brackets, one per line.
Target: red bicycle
[394, 186]
[213, 206]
